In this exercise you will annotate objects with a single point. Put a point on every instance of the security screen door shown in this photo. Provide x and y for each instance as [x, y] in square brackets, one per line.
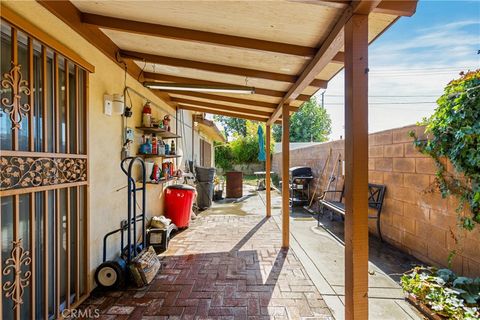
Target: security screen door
[43, 178]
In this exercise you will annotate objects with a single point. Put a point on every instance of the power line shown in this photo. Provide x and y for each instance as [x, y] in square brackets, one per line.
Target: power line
[388, 96]
[429, 68]
[387, 103]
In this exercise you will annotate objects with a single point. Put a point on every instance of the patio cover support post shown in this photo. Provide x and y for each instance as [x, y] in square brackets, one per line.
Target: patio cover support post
[356, 167]
[285, 176]
[268, 168]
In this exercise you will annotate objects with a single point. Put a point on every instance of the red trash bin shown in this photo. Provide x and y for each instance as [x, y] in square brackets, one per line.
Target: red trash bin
[178, 204]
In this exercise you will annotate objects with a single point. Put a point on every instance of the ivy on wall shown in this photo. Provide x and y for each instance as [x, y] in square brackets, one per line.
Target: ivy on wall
[454, 133]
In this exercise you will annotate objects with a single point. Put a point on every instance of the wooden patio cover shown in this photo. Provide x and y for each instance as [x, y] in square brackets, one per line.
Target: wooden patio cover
[287, 50]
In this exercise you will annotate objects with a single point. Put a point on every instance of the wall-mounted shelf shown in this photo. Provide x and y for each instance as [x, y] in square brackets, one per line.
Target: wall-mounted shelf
[166, 156]
[159, 132]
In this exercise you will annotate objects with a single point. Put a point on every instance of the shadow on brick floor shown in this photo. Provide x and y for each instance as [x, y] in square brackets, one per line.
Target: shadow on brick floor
[227, 285]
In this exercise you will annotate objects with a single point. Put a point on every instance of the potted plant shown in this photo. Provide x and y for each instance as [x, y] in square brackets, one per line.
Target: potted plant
[218, 191]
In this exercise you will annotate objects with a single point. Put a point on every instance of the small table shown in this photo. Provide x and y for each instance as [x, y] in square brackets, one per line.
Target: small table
[261, 175]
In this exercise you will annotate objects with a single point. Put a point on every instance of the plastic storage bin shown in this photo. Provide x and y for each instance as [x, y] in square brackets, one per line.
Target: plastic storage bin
[178, 204]
[204, 174]
[204, 194]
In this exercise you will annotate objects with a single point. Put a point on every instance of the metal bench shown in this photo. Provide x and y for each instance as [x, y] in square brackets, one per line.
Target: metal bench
[376, 193]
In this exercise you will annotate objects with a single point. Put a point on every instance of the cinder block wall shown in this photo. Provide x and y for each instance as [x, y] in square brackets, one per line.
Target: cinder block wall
[416, 221]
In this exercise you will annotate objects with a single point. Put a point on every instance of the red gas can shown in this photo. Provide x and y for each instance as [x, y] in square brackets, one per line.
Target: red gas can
[178, 204]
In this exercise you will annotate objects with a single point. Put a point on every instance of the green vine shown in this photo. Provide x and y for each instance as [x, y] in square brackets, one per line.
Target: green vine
[454, 134]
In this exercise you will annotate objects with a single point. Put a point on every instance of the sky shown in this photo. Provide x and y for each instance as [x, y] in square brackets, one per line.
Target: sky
[411, 63]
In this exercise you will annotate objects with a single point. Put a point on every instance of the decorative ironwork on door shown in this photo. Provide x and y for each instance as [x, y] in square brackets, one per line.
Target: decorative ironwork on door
[13, 106]
[43, 178]
[13, 265]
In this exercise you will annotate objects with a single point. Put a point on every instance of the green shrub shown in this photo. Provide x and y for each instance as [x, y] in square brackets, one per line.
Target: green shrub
[242, 150]
[245, 149]
[223, 156]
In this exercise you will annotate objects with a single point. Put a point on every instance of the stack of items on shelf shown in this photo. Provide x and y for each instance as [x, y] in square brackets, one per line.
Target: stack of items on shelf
[151, 145]
[150, 122]
[161, 173]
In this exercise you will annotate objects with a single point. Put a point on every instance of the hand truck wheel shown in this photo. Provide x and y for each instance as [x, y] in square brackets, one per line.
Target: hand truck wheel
[110, 275]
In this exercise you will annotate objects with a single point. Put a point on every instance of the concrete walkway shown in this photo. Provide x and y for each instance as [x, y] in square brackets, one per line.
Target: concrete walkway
[322, 255]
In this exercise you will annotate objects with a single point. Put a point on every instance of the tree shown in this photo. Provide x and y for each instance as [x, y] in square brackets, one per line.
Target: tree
[311, 123]
[241, 149]
[232, 125]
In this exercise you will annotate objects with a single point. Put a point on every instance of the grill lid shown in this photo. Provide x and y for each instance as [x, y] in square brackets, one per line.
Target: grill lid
[301, 172]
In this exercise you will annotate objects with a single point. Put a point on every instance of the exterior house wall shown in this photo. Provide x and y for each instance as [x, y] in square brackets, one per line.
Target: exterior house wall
[418, 222]
[107, 183]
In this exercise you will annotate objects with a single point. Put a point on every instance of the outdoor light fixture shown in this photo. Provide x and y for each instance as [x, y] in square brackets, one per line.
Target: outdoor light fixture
[199, 88]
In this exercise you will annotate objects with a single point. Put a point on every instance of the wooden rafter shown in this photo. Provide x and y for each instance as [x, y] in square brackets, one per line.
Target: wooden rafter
[221, 107]
[177, 33]
[318, 83]
[330, 47]
[69, 14]
[222, 113]
[184, 80]
[212, 67]
[404, 8]
[220, 98]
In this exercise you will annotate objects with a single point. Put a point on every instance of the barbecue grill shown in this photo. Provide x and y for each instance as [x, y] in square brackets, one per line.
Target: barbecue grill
[299, 183]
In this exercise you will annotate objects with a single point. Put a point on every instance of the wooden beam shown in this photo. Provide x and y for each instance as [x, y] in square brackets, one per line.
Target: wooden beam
[318, 83]
[403, 8]
[26, 26]
[339, 58]
[197, 36]
[185, 80]
[328, 50]
[285, 178]
[356, 167]
[364, 6]
[212, 67]
[70, 15]
[338, 4]
[221, 98]
[221, 107]
[268, 168]
[222, 113]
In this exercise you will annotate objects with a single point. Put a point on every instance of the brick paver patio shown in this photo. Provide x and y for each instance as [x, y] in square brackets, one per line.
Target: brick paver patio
[222, 267]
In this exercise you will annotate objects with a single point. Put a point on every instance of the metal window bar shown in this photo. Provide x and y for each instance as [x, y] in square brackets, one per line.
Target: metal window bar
[37, 196]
